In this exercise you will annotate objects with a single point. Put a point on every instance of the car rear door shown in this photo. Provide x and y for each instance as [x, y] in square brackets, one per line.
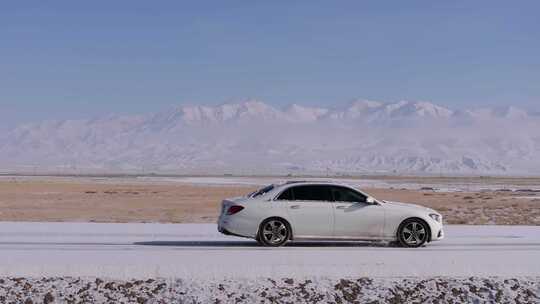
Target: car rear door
[310, 209]
[354, 217]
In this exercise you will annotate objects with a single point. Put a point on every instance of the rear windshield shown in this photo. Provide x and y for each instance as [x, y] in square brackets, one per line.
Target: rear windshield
[261, 191]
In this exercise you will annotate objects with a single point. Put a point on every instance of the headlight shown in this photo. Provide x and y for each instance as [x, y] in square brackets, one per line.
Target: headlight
[436, 217]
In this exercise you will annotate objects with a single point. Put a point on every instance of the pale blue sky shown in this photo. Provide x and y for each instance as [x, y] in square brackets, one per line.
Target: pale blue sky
[62, 59]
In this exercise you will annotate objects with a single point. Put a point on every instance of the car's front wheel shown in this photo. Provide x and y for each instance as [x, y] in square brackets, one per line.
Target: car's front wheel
[413, 233]
[274, 232]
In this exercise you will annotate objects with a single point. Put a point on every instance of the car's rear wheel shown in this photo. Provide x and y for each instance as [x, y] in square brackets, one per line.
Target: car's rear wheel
[413, 233]
[274, 232]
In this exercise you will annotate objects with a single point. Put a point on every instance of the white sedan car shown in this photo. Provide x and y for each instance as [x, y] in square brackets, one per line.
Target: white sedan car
[276, 214]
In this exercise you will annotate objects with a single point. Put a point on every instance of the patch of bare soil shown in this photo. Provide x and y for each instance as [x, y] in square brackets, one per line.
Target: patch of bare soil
[87, 201]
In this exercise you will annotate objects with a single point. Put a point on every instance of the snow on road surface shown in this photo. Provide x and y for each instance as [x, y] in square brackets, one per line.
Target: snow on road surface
[125, 251]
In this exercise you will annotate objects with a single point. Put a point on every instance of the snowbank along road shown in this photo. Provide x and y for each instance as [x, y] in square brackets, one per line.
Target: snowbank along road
[125, 251]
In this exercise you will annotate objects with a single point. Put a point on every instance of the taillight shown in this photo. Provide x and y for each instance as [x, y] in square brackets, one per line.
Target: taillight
[234, 209]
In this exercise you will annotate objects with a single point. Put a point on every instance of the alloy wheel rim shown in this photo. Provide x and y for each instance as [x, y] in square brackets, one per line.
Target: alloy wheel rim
[414, 233]
[274, 232]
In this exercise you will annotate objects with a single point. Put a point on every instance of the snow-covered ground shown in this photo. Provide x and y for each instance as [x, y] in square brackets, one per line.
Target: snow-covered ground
[267, 290]
[197, 251]
[451, 185]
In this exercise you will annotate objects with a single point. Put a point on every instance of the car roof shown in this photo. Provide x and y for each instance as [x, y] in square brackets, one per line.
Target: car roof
[287, 184]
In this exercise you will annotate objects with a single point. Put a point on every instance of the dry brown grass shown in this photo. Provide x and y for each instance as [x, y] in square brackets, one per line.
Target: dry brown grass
[76, 200]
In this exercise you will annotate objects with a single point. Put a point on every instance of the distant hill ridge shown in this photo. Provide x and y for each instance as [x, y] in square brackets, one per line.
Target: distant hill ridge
[252, 136]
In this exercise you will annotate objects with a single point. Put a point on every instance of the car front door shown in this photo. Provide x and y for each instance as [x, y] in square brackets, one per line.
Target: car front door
[310, 209]
[354, 217]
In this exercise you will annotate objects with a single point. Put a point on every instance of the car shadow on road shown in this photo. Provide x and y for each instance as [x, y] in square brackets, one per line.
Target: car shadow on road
[297, 244]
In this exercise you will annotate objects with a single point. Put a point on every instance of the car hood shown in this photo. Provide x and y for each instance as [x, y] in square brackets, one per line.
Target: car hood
[399, 205]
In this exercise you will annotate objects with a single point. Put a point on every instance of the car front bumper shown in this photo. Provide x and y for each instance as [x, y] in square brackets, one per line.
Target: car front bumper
[437, 231]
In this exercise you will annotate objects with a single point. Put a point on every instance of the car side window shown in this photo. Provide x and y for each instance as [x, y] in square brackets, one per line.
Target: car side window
[311, 193]
[286, 195]
[342, 194]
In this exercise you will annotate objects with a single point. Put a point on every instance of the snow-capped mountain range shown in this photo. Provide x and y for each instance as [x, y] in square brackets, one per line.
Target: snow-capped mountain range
[252, 137]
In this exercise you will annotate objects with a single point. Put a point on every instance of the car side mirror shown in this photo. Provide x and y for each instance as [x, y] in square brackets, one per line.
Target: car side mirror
[370, 200]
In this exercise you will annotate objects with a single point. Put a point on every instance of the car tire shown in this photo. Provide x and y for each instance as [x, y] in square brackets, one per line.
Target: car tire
[258, 239]
[274, 232]
[413, 233]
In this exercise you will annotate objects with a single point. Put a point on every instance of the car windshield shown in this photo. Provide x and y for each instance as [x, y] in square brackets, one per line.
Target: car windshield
[261, 191]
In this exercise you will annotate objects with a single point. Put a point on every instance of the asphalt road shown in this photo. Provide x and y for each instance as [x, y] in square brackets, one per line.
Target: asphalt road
[198, 251]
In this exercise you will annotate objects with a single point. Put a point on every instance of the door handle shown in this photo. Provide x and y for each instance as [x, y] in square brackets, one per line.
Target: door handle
[295, 207]
[341, 207]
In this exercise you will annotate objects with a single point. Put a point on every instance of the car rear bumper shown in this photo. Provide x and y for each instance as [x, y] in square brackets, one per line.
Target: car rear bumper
[235, 225]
